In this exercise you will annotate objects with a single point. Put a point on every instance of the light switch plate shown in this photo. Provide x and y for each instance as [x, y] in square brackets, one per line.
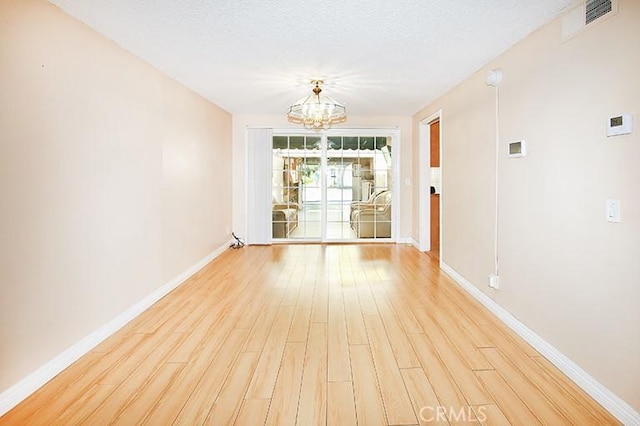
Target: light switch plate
[613, 211]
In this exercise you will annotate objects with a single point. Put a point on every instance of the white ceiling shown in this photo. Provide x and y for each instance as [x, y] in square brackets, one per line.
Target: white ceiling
[378, 57]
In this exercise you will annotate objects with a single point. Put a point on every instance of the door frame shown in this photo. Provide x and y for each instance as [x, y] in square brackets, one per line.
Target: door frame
[395, 134]
[424, 185]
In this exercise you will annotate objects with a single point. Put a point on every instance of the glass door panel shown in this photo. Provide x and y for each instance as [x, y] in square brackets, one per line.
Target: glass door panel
[339, 191]
[365, 198]
[331, 188]
[297, 183]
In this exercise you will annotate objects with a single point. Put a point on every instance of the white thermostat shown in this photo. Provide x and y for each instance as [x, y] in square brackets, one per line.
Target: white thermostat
[619, 125]
[517, 149]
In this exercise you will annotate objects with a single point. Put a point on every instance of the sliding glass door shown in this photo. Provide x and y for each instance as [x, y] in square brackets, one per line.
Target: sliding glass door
[297, 187]
[331, 187]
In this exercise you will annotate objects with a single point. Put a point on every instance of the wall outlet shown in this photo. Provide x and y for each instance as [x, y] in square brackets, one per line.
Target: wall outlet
[494, 282]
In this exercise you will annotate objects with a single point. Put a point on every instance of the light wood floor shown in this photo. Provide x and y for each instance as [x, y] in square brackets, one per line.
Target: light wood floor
[310, 335]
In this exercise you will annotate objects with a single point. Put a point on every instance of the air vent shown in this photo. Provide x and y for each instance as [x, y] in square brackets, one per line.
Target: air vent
[587, 12]
[596, 9]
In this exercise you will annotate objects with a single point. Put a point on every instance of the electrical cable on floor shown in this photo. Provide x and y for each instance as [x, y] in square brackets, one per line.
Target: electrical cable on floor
[237, 243]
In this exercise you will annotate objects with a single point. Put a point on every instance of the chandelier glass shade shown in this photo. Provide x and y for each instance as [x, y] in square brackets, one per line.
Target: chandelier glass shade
[317, 111]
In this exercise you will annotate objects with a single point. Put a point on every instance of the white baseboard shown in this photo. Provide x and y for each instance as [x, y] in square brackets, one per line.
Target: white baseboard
[614, 404]
[25, 387]
[405, 240]
[416, 244]
[421, 247]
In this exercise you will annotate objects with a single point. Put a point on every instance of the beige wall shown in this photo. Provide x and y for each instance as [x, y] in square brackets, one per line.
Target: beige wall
[113, 180]
[565, 272]
[242, 122]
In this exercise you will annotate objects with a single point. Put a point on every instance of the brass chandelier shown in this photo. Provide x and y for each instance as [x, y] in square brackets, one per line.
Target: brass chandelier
[317, 111]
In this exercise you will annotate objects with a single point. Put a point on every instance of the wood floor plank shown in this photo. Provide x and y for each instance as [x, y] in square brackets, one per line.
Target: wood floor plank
[264, 322]
[454, 334]
[544, 409]
[368, 400]
[283, 277]
[312, 409]
[355, 323]
[516, 411]
[254, 308]
[84, 405]
[395, 398]
[348, 276]
[152, 350]
[200, 313]
[536, 376]
[42, 399]
[472, 308]
[424, 400]
[402, 308]
[168, 318]
[109, 407]
[490, 415]
[338, 365]
[403, 351]
[340, 407]
[499, 336]
[365, 297]
[470, 329]
[46, 413]
[197, 337]
[443, 384]
[284, 403]
[585, 404]
[137, 410]
[372, 275]
[264, 379]
[253, 412]
[228, 404]
[454, 362]
[195, 408]
[301, 317]
[291, 293]
[319, 309]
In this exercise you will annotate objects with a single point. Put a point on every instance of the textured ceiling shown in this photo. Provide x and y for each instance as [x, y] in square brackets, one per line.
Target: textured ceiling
[379, 57]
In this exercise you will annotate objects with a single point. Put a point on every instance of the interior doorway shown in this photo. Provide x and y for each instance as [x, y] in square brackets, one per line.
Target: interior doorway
[435, 188]
[430, 185]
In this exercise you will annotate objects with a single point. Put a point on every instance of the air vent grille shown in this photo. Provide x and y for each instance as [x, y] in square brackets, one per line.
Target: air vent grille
[596, 9]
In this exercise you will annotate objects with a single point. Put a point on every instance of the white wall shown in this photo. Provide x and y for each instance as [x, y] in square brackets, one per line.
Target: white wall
[241, 122]
[113, 180]
[565, 272]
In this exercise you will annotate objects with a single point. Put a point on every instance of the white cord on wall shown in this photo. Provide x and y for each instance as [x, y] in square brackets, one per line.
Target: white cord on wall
[497, 174]
[494, 77]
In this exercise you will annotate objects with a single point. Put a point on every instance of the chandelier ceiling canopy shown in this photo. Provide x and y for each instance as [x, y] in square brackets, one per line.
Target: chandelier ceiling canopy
[317, 111]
